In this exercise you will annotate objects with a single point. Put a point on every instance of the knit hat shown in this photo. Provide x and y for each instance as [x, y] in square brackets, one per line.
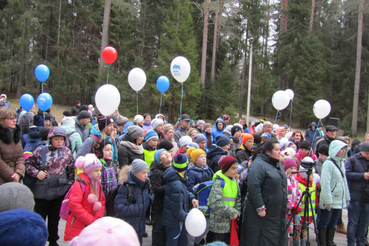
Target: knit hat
[135, 132]
[222, 140]
[68, 121]
[99, 146]
[168, 127]
[83, 107]
[21, 227]
[138, 165]
[44, 132]
[103, 121]
[121, 120]
[195, 153]
[207, 125]
[138, 119]
[364, 147]
[180, 162]
[151, 135]
[88, 163]
[67, 113]
[184, 141]
[200, 121]
[165, 144]
[225, 162]
[83, 115]
[246, 137]
[156, 122]
[305, 145]
[289, 163]
[235, 129]
[265, 136]
[107, 231]
[157, 155]
[323, 149]
[193, 144]
[15, 195]
[199, 137]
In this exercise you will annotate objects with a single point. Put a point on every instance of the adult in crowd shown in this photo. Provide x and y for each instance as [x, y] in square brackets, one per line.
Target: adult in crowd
[161, 116]
[101, 130]
[330, 135]
[297, 138]
[221, 147]
[169, 136]
[75, 108]
[147, 122]
[358, 147]
[25, 122]
[16, 195]
[311, 134]
[200, 124]
[131, 146]
[218, 128]
[245, 128]
[334, 194]
[12, 166]
[184, 121]
[268, 128]
[264, 217]
[138, 120]
[357, 172]
[82, 120]
[4, 102]
[226, 118]
[74, 138]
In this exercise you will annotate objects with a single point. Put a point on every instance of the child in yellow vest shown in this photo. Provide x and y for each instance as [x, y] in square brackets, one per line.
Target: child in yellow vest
[149, 146]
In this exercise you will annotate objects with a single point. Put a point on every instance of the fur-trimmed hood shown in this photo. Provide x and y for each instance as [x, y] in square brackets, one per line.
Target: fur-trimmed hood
[8, 135]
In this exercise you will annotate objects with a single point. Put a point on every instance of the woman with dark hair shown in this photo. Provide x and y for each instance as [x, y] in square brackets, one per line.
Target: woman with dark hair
[264, 217]
[297, 137]
[130, 146]
[12, 166]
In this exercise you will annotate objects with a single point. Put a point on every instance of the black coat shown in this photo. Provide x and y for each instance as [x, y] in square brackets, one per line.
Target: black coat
[214, 154]
[243, 155]
[126, 155]
[267, 185]
[158, 185]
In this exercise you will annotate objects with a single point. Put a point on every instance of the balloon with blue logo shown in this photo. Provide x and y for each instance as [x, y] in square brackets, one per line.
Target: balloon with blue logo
[26, 101]
[162, 83]
[42, 72]
[44, 101]
[180, 68]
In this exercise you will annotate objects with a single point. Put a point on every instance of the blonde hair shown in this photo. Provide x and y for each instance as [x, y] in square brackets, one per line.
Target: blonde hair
[6, 113]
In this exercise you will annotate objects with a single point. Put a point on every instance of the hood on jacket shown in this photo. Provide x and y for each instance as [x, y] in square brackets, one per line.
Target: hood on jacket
[33, 132]
[334, 148]
[171, 174]
[57, 131]
[95, 130]
[354, 143]
[158, 115]
[123, 174]
[215, 150]
[222, 121]
[313, 124]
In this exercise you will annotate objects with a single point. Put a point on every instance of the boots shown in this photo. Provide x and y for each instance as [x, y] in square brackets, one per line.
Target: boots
[330, 236]
[341, 228]
[322, 237]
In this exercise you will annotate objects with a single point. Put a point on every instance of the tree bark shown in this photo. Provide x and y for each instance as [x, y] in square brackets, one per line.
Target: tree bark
[283, 20]
[358, 70]
[214, 54]
[204, 42]
[312, 15]
[105, 35]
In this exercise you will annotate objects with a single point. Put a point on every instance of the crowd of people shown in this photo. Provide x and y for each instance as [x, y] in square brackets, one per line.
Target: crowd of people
[266, 184]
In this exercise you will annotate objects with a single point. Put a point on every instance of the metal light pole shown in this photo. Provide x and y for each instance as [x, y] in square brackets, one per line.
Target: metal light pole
[249, 85]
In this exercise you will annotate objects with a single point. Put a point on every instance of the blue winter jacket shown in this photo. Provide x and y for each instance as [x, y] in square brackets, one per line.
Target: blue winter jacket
[309, 134]
[177, 201]
[215, 131]
[197, 175]
[135, 213]
[355, 176]
[213, 156]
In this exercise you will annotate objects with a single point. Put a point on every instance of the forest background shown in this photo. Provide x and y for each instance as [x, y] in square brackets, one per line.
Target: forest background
[309, 46]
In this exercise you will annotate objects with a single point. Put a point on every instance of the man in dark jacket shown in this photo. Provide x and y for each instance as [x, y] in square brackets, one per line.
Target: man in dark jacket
[357, 173]
[75, 109]
[311, 133]
[330, 135]
[183, 128]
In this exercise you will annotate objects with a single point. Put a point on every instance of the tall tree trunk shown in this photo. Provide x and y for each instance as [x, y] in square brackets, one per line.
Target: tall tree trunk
[283, 20]
[266, 36]
[105, 35]
[214, 54]
[204, 43]
[358, 69]
[312, 15]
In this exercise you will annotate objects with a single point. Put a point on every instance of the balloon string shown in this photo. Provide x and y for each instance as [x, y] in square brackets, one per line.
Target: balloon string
[107, 76]
[137, 101]
[42, 87]
[180, 230]
[291, 114]
[180, 112]
[161, 98]
[43, 114]
[277, 116]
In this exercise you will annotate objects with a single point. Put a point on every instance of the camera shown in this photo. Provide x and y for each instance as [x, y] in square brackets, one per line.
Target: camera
[307, 162]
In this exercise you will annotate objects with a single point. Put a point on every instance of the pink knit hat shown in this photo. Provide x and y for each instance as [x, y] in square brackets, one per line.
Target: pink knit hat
[107, 231]
[289, 163]
[88, 163]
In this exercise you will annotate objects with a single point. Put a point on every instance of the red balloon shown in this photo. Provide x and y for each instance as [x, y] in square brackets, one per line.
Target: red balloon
[109, 54]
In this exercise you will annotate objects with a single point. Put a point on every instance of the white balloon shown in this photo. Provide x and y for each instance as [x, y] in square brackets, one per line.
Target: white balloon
[195, 223]
[280, 100]
[107, 99]
[322, 108]
[290, 93]
[137, 79]
[180, 68]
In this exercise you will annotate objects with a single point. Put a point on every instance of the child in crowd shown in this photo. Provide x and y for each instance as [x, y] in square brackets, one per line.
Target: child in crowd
[192, 132]
[218, 128]
[133, 198]
[244, 152]
[218, 149]
[207, 134]
[177, 202]
[236, 134]
[305, 147]
[197, 174]
[86, 201]
[103, 151]
[200, 139]
[323, 155]
[225, 203]
[149, 146]
[163, 160]
[183, 142]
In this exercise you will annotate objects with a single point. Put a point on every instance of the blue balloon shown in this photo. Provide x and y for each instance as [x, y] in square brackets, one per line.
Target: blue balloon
[44, 101]
[26, 101]
[42, 72]
[162, 83]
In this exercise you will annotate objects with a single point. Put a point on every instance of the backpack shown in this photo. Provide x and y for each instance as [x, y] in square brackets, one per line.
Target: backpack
[30, 146]
[203, 192]
[110, 197]
[95, 139]
[70, 143]
[65, 209]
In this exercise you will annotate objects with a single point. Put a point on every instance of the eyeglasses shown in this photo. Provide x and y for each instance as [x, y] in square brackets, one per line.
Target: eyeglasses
[11, 118]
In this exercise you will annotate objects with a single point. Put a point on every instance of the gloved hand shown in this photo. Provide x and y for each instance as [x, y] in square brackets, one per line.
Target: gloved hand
[297, 219]
[348, 203]
[328, 207]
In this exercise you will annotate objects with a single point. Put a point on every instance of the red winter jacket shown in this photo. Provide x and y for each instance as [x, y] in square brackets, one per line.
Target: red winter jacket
[81, 214]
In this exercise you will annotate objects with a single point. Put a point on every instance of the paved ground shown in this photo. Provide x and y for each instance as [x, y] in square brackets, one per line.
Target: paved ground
[340, 239]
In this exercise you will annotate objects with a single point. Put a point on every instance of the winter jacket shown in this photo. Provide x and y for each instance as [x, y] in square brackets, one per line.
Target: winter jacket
[243, 154]
[81, 129]
[333, 179]
[146, 126]
[215, 132]
[108, 175]
[354, 143]
[213, 156]
[82, 213]
[197, 175]
[318, 166]
[355, 176]
[267, 186]
[158, 185]
[90, 141]
[75, 110]
[221, 214]
[310, 133]
[300, 156]
[11, 154]
[31, 136]
[180, 132]
[322, 141]
[134, 213]
[75, 139]
[128, 151]
[235, 144]
[177, 201]
[59, 167]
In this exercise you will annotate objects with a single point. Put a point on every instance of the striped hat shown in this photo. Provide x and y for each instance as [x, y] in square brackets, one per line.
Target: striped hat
[180, 162]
